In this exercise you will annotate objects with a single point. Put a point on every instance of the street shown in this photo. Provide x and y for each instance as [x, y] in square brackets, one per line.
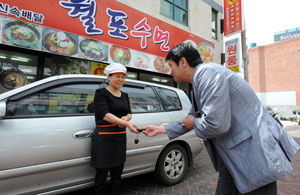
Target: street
[202, 179]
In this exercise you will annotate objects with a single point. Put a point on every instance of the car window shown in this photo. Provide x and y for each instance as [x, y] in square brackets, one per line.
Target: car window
[64, 99]
[169, 99]
[142, 99]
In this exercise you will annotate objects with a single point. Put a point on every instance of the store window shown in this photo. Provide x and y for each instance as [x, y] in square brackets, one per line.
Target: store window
[186, 87]
[16, 69]
[175, 9]
[157, 79]
[132, 75]
[214, 24]
[59, 65]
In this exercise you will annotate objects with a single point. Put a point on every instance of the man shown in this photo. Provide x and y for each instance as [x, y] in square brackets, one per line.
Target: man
[248, 148]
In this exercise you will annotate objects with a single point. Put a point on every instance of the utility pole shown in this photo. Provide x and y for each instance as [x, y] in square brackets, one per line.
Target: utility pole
[245, 55]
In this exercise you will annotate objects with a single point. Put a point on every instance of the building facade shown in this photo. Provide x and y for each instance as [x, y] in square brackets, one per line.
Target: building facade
[46, 38]
[274, 71]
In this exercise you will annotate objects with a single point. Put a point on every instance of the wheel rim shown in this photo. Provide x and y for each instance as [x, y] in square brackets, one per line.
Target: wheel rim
[174, 164]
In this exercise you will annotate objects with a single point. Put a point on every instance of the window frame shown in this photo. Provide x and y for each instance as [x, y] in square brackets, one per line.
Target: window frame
[71, 81]
[173, 11]
[49, 86]
[215, 29]
[161, 99]
[141, 86]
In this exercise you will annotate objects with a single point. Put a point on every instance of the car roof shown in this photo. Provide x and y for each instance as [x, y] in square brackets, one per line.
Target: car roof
[73, 76]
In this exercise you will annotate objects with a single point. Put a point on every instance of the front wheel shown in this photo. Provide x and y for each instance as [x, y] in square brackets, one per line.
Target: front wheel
[172, 164]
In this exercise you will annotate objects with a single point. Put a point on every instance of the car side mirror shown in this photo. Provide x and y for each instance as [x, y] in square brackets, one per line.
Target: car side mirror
[2, 109]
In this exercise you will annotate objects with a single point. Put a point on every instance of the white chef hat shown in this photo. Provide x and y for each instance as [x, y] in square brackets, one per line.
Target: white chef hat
[115, 68]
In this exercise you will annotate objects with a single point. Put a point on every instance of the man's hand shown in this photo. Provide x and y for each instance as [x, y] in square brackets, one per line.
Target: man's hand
[152, 130]
[188, 122]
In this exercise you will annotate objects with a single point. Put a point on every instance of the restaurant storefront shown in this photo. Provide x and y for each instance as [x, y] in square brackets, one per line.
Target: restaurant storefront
[46, 38]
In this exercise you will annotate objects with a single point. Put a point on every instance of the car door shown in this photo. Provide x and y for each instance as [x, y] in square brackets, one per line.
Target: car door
[44, 138]
[171, 103]
[146, 109]
[177, 105]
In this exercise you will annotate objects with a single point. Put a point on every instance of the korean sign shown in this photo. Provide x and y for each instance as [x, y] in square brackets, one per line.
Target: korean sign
[107, 21]
[28, 15]
[233, 17]
[232, 54]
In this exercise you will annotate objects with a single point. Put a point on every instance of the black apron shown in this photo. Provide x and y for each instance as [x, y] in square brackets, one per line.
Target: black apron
[108, 146]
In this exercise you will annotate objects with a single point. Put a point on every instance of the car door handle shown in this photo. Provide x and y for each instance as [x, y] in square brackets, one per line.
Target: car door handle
[83, 134]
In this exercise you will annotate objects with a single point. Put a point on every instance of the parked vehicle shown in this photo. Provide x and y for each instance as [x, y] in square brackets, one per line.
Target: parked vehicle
[45, 130]
[273, 114]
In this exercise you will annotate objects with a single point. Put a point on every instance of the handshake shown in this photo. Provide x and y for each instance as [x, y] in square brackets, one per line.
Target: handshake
[150, 131]
[153, 130]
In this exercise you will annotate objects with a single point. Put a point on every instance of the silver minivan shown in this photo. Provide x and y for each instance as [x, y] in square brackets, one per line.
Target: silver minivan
[45, 130]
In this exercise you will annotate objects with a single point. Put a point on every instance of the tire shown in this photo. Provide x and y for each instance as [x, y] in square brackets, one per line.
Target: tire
[172, 165]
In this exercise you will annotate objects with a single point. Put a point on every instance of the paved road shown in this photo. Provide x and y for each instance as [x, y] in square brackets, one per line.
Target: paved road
[202, 180]
[293, 130]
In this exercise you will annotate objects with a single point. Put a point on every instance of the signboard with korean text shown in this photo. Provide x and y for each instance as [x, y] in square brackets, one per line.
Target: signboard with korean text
[67, 44]
[108, 21]
[233, 17]
[232, 54]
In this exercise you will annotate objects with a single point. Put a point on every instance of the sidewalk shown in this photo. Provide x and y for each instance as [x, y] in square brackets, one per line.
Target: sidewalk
[288, 123]
[289, 185]
[293, 128]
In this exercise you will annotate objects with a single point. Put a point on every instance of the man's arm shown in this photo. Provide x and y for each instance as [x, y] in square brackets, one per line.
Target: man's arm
[173, 130]
[214, 92]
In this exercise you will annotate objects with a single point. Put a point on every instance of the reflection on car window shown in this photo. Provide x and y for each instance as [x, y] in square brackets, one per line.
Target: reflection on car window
[66, 99]
[169, 98]
[142, 99]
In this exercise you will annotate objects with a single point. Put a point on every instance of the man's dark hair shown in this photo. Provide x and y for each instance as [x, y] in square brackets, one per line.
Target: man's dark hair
[187, 51]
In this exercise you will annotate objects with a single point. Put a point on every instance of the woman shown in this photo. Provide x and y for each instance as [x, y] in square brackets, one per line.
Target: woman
[112, 115]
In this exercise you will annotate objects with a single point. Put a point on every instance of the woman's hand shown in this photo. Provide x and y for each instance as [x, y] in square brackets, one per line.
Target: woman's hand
[125, 118]
[132, 127]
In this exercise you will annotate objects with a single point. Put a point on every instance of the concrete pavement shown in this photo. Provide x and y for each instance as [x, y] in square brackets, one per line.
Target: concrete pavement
[201, 179]
[292, 128]
[295, 133]
[290, 184]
